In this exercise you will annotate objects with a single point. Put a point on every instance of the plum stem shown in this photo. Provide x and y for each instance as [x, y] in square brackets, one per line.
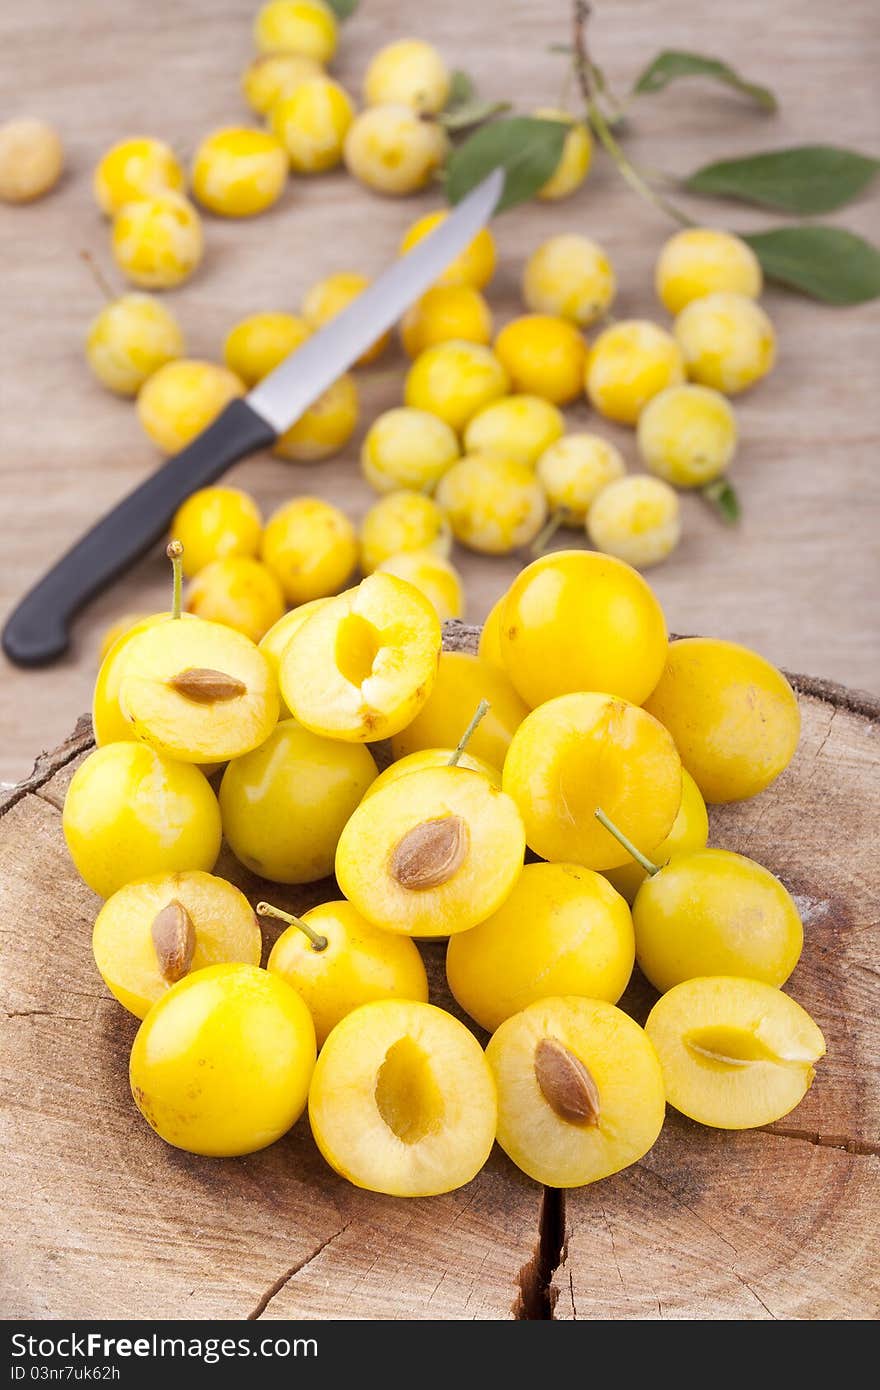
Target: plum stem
[556, 519]
[174, 551]
[319, 942]
[647, 864]
[98, 276]
[585, 73]
[482, 709]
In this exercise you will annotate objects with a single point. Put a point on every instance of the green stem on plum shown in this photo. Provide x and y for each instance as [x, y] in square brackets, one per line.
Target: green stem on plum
[319, 942]
[482, 709]
[647, 864]
[584, 73]
[174, 551]
[548, 531]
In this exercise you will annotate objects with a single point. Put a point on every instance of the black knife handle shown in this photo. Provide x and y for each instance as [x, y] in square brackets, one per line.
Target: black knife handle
[37, 632]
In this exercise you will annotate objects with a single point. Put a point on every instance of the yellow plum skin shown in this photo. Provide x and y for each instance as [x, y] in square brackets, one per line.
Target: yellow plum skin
[575, 620]
[130, 812]
[713, 912]
[563, 930]
[221, 1065]
[284, 804]
[690, 830]
[359, 964]
[734, 716]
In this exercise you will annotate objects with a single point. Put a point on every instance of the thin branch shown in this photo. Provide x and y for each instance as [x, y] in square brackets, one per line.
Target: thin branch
[585, 74]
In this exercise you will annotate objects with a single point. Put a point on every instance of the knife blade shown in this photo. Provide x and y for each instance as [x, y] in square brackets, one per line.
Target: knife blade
[282, 396]
[38, 630]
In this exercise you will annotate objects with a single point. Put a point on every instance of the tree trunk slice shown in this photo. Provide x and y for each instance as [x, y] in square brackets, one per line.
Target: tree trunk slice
[101, 1219]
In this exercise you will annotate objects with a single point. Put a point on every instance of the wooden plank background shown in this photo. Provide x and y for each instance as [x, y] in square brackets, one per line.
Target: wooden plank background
[798, 579]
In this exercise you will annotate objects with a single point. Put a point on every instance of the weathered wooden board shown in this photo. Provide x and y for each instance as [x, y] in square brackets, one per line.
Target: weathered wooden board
[797, 580]
[100, 1218]
[725, 1226]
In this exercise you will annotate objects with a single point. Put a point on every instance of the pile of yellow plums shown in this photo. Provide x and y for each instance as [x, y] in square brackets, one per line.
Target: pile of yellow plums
[479, 451]
[263, 579]
[544, 809]
[481, 428]
[396, 145]
[481, 425]
[501, 394]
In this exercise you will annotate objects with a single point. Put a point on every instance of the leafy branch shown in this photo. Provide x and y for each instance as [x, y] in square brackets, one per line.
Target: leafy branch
[585, 74]
[827, 263]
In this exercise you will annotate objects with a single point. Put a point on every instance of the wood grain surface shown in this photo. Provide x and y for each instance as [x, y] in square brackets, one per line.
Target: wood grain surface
[99, 1218]
[798, 579]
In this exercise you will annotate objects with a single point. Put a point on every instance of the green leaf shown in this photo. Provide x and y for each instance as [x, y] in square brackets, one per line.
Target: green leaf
[805, 179]
[827, 263]
[470, 113]
[526, 147]
[462, 89]
[674, 63]
[343, 9]
[722, 498]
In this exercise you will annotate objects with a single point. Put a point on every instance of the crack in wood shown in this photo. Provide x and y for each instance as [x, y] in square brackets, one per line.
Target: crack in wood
[284, 1279]
[36, 1013]
[863, 1148]
[537, 1295]
[50, 800]
[678, 1196]
[609, 1229]
[747, 1286]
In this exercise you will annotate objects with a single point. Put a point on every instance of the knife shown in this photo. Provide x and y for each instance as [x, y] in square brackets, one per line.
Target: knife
[38, 630]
